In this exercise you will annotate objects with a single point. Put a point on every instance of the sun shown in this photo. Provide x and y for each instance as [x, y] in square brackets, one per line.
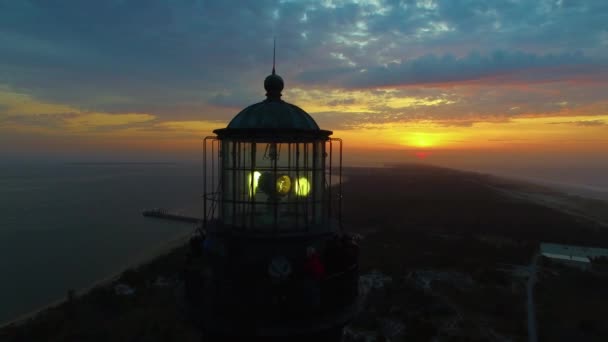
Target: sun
[422, 140]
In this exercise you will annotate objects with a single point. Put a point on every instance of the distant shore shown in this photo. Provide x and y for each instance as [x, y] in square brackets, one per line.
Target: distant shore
[572, 200]
[566, 188]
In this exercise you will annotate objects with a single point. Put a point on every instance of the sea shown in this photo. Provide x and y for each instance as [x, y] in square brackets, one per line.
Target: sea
[67, 225]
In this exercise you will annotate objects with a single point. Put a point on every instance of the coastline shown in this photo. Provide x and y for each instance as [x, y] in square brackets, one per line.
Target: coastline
[552, 196]
[143, 258]
[571, 201]
[573, 189]
[409, 230]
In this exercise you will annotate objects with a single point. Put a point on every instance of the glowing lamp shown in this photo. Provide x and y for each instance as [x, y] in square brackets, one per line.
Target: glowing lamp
[252, 182]
[279, 186]
[274, 186]
[283, 185]
[302, 187]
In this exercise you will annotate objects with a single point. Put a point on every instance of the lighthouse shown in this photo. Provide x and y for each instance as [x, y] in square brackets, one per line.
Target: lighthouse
[272, 261]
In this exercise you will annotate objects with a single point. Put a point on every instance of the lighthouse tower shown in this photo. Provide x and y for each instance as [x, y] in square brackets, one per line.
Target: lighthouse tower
[272, 261]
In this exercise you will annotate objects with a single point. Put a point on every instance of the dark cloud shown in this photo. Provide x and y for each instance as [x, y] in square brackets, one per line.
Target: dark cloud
[585, 123]
[343, 121]
[236, 99]
[508, 140]
[173, 58]
[430, 69]
[342, 102]
[39, 120]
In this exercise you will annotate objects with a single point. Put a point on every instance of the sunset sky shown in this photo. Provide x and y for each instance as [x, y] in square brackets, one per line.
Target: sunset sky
[458, 81]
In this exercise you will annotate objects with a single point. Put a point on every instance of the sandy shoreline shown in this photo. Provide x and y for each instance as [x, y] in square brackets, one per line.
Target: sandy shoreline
[137, 261]
[572, 201]
[586, 191]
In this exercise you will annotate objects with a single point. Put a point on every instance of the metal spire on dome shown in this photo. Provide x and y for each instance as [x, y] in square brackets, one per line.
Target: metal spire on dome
[274, 53]
[273, 83]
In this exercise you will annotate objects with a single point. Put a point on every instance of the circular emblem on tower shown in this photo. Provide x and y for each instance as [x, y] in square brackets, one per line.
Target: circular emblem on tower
[279, 267]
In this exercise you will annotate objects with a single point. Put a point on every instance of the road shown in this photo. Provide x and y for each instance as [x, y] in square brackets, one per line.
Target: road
[532, 334]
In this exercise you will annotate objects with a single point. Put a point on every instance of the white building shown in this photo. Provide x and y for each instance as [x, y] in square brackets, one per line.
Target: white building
[573, 255]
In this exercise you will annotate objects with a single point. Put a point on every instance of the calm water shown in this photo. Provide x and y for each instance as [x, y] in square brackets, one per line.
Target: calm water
[66, 226]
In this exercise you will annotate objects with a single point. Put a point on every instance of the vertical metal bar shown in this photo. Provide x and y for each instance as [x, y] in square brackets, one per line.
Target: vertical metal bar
[330, 199]
[242, 188]
[234, 144]
[205, 183]
[297, 148]
[219, 195]
[276, 197]
[289, 156]
[340, 189]
[314, 180]
[252, 188]
[208, 210]
[307, 169]
[212, 170]
[292, 195]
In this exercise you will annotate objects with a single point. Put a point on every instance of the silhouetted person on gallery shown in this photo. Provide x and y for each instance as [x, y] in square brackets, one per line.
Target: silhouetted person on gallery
[315, 272]
[313, 264]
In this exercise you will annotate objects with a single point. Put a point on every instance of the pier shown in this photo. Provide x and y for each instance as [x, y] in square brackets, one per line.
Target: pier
[165, 214]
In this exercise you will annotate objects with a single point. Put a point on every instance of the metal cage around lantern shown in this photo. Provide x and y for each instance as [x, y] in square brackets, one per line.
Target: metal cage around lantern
[280, 184]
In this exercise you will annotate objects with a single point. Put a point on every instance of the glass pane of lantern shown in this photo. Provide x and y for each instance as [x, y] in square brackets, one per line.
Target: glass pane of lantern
[268, 186]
